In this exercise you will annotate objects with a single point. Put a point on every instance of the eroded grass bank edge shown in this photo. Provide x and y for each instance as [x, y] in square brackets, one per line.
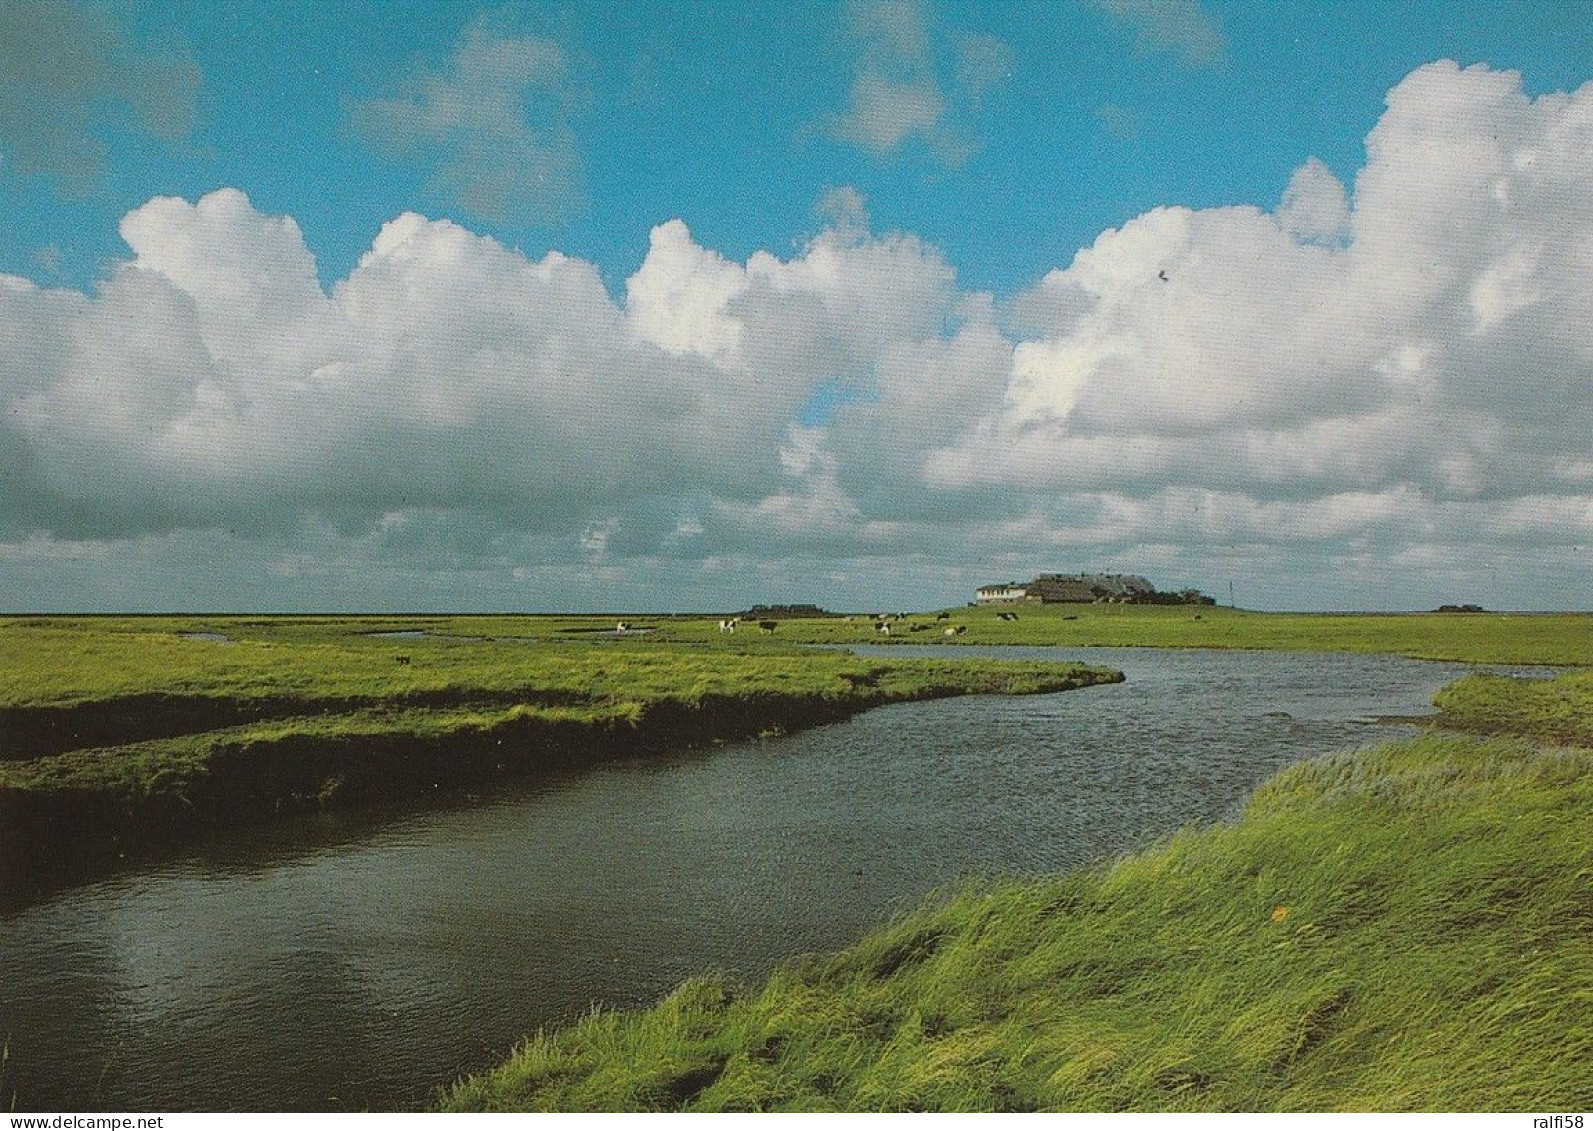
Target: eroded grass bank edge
[166, 789]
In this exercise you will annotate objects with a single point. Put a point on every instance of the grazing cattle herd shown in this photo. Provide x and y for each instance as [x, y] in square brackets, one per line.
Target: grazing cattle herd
[729, 625]
[884, 624]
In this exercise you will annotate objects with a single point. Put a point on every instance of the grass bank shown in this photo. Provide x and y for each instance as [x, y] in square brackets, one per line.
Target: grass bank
[1403, 928]
[1555, 710]
[1495, 638]
[67, 659]
[115, 729]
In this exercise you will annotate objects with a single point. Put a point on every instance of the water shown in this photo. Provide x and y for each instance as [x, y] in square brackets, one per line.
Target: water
[358, 960]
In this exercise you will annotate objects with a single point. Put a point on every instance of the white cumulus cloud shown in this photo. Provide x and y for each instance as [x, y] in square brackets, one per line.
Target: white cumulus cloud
[1378, 392]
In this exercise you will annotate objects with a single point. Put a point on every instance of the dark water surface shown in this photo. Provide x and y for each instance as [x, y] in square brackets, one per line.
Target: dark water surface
[358, 960]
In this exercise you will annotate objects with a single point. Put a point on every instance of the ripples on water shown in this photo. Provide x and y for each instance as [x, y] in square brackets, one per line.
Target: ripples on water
[357, 960]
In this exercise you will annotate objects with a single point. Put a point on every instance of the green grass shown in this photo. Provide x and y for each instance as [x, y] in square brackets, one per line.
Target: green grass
[1405, 928]
[137, 771]
[1558, 710]
[61, 661]
[622, 698]
[1505, 638]
[64, 660]
[335, 664]
[123, 724]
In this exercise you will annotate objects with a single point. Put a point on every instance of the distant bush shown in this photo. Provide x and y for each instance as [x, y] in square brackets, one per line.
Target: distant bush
[772, 611]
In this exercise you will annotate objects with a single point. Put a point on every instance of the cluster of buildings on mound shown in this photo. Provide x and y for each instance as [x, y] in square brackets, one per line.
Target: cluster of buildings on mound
[1088, 589]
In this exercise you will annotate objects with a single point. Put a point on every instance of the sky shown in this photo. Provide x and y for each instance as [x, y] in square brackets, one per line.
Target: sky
[648, 306]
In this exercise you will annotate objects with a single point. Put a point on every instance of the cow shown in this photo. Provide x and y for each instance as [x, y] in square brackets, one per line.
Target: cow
[768, 625]
[942, 616]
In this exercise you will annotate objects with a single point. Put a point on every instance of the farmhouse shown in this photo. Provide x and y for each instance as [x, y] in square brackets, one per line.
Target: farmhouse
[1082, 588]
[1088, 588]
[995, 594]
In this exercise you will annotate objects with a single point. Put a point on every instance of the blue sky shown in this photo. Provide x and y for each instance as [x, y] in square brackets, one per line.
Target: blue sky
[716, 113]
[783, 231]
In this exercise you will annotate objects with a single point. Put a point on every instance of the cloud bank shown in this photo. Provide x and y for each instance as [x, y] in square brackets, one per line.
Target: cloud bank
[1371, 395]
